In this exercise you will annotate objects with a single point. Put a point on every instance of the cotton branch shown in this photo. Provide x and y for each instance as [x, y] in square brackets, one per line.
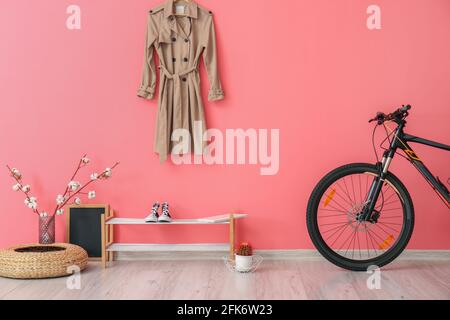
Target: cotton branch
[21, 186]
[80, 189]
[69, 193]
[80, 164]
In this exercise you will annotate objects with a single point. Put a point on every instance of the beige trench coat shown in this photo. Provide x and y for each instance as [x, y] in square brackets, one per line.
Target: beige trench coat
[180, 36]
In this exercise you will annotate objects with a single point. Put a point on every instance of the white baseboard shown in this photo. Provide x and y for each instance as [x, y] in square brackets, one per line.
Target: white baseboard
[266, 254]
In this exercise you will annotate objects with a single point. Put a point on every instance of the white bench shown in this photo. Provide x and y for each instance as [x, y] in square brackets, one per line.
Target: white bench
[109, 246]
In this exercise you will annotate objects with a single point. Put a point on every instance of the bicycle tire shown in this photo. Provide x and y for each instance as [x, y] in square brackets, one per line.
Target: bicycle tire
[344, 262]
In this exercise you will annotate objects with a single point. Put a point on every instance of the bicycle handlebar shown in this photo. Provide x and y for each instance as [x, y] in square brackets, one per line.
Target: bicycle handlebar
[398, 115]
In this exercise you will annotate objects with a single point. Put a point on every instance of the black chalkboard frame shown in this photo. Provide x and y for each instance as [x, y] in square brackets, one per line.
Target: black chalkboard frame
[103, 217]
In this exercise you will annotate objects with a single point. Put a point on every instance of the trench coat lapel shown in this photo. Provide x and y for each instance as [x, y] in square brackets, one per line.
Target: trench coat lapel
[191, 10]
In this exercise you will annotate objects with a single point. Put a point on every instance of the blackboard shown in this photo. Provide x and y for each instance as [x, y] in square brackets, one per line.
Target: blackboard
[84, 228]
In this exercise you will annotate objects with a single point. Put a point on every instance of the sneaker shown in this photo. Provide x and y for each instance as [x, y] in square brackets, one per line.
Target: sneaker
[165, 216]
[153, 217]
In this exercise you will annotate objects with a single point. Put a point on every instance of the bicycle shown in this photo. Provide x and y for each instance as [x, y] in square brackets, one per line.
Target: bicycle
[361, 215]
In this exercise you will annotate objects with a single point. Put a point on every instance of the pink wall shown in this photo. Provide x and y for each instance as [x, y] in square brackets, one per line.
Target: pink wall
[310, 68]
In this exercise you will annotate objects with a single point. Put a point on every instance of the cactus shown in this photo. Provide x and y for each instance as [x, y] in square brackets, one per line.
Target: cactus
[245, 249]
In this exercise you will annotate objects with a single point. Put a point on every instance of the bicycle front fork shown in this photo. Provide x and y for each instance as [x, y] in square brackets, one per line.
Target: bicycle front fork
[375, 189]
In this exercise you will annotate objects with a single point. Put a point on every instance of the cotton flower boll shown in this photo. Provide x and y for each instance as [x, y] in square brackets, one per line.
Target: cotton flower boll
[74, 185]
[59, 212]
[32, 205]
[94, 176]
[85, 160]
[31, 202]
[108, 172]
[26, 188]
[77, 201]
[91, 194]
[16, 187]
[16, 173]
[60, 199]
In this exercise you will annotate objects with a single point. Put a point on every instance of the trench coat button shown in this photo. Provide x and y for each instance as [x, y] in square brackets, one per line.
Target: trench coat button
[184, 79]
[186, 40]
[185, 59]
[151, 11]
[174, 59]
[174, 39]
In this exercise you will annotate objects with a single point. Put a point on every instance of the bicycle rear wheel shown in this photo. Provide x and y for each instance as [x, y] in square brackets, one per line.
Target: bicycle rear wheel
[335, 230]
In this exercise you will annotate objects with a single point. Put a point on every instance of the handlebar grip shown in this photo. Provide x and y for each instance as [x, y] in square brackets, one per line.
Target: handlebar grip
[401, 113]
[405, 108]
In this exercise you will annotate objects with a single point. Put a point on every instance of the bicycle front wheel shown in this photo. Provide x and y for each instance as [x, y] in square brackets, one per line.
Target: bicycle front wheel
[344, 240]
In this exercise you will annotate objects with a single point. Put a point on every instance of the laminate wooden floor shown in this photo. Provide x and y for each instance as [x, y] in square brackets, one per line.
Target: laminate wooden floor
[210, 279]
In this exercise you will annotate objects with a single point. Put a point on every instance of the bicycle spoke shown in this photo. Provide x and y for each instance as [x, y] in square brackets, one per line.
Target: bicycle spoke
[395, 224]
[350, 237]
[334, 201]
[367, 241]
[359, 246]
[329, 224]
[353, 188]
[334, 228]
[340, 228]
[334, 215]
[367, 184]
[339, 235]
[354, 240]
[384, 224]
[348, 194]
[371, 240]
[345, 200]
[375, 234]
[345, 212]
[382, 229]
[390, 195]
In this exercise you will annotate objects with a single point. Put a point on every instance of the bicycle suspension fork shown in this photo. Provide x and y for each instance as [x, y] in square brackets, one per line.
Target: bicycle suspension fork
[375, 188]
[379, 180]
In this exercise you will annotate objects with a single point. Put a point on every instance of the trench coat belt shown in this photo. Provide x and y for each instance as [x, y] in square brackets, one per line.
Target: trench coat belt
[177, 113]
[176, 77]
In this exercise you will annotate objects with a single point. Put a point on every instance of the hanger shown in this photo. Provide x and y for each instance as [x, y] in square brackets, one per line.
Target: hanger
[178, 1]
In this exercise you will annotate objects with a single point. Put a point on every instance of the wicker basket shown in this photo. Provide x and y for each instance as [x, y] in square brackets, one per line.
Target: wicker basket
[39, 261]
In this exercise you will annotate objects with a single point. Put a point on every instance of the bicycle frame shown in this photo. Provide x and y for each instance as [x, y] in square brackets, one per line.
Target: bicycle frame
[400, 141]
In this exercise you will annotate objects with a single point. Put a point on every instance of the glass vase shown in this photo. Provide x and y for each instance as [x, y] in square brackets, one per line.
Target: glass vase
[47, 230]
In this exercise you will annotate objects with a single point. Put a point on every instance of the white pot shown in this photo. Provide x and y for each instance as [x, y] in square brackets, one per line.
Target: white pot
[243, 263]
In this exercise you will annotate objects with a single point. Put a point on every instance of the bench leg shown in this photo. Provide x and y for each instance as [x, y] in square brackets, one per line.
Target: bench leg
[232, 236]
[110, 241]
[104, 253]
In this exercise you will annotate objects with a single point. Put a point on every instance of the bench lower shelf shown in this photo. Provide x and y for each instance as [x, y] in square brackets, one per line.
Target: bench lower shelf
[142, 247]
